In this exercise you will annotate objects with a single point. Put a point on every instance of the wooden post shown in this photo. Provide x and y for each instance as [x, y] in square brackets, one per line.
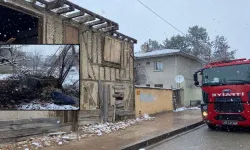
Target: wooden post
[114, 108]
[105, 103]
[75, 121]
[100, 94]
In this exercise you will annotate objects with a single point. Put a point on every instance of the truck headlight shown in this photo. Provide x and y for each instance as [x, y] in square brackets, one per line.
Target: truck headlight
[204, 114]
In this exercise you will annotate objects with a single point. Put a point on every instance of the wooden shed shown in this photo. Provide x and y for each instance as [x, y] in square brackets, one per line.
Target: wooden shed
[106, 56]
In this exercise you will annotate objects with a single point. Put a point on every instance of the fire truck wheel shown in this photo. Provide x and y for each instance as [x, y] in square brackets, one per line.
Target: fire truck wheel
[210, 126]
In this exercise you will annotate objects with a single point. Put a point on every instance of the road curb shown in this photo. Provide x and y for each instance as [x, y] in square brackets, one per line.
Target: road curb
[159, 138]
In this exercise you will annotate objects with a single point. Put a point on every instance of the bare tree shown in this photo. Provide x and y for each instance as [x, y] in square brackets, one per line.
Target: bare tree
[11, 55]
[64, 61]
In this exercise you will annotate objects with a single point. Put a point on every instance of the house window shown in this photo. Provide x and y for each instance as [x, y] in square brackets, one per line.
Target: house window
[159, 85]
[147, 85]
[158, 66]
[147, 63]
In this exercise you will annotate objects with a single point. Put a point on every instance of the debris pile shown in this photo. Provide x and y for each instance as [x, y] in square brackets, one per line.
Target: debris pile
[63, 138]
[13, 94]
[99, 129]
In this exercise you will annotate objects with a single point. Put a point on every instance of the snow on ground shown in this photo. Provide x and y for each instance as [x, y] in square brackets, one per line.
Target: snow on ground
[184, 108]
[5, 76]
[63, 138]
[49, 106]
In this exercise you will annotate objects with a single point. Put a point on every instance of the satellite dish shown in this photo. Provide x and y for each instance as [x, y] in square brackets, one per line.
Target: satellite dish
[179, 79]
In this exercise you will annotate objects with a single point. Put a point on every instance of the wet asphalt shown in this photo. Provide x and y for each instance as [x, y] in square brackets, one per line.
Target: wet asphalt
[205, 139]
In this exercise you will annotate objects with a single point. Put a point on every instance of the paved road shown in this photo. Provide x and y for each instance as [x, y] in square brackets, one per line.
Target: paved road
[205, 139]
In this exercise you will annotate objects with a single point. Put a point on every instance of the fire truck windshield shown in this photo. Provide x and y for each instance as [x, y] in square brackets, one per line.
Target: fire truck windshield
[236, 74]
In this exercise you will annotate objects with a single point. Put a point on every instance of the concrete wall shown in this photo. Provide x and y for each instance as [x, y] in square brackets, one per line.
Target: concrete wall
[187, 67]
[152, 100]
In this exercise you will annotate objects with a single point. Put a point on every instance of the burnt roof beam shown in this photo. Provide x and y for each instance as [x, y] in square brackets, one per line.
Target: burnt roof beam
[109, 29]
[90, 24]
[43, 2]
[55, 4]
[74, 15]
[89, 12]
[85, 19]
[120, 35]
[104, 25]
[64, 10]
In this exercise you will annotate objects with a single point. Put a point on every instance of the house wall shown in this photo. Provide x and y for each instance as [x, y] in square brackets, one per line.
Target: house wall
[147, 75]
[172, 66]
[187, 67]
[152, 100]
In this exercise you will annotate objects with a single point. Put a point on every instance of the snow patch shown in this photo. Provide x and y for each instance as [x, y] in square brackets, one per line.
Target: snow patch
[156, 52]
[185, 108]
[48, 106]
[5, 76]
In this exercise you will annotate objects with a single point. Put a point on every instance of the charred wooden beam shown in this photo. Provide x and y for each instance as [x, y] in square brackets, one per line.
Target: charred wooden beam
[125, 37]
[89, 12]
[95, 23]
[55, 4]
[33, 1]
[110, 29]
[64, 10]
[43, 2]
[38, 7]
[86, 19]
[104, 25]
[10, 40]
[74, 15]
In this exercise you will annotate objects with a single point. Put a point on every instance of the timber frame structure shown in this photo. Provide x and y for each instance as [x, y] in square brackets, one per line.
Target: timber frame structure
[106, 57]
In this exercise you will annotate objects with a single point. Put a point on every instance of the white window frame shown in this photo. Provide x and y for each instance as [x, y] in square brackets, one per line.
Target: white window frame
[160, 65]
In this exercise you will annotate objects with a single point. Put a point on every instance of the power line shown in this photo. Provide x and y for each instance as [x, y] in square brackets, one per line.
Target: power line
[160, 17]
[169, 23]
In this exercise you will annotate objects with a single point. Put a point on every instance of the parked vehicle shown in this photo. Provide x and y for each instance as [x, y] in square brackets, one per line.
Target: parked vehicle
[226, 93]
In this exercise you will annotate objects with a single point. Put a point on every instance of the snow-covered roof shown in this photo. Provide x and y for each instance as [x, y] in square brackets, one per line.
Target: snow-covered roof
[156, 53]
[164, 52]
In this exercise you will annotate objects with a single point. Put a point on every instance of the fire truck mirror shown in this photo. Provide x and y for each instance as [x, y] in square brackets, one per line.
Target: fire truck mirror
[195, 77]
[196, 83]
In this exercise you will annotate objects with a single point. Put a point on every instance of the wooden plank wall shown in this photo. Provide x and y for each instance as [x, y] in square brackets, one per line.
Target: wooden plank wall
[27, 127]
[98, 65]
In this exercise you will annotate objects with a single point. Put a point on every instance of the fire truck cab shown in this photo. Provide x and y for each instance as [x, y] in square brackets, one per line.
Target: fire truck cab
[225, 92]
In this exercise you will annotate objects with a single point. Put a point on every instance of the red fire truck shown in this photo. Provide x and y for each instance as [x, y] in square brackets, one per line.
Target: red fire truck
[226, 93]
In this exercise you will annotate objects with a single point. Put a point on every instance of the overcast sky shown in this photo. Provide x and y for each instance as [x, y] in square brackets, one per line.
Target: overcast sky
[44, 50]
[220, 17]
